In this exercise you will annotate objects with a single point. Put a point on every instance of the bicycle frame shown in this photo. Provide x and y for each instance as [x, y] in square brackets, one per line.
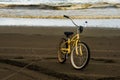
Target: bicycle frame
[71, 42]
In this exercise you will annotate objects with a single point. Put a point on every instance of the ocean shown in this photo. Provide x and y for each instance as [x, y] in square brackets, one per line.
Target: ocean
[55, 1]
[111, 23]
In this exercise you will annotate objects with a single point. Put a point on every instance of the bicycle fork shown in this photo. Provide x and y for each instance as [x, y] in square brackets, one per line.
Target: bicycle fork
[78, 48]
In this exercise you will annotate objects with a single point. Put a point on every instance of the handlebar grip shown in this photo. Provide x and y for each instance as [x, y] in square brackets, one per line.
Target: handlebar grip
[66, 16]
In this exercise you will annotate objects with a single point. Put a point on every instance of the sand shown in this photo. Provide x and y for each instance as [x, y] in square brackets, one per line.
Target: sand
[37, 48]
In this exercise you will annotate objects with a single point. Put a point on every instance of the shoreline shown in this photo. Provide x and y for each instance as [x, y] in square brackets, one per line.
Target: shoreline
[26, 22]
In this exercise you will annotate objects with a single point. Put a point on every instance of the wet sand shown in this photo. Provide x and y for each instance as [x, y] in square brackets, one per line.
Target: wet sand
[37, 46]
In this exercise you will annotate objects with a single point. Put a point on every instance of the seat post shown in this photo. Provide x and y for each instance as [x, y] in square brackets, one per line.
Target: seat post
[68, 45]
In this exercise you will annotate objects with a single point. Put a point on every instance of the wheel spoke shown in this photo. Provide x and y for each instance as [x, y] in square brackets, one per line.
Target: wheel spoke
[80, 58]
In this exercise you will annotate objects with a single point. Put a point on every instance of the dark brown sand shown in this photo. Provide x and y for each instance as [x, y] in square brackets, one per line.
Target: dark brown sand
[20, 46]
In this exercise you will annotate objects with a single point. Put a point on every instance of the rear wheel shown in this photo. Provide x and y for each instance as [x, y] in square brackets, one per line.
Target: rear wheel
[61, 55]
[80, 56]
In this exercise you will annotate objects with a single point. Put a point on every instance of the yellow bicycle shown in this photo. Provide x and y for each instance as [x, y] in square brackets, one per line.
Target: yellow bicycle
[72, 45]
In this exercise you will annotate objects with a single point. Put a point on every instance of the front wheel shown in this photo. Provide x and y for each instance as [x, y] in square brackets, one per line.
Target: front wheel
[80, 56]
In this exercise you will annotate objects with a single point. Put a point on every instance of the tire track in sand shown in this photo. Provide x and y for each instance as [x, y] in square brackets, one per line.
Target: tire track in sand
[40, 69]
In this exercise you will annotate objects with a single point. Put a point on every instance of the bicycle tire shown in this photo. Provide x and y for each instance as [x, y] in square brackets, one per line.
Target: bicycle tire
[83, 59]
[62, 56]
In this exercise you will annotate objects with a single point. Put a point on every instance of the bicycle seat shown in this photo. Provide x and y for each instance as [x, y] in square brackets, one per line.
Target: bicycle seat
[68, 34]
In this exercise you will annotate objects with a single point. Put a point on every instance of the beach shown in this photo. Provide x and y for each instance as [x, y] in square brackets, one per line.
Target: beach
[30, 36]
[37, 48]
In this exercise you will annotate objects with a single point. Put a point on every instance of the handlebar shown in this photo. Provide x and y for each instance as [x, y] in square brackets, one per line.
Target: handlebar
[66, 16]
[80, 28]
[71, 20]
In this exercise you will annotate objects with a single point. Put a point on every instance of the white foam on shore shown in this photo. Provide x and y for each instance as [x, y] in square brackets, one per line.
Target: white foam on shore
[55, 1]
[108, 23]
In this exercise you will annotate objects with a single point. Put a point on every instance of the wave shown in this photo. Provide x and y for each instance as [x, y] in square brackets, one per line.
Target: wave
[60, 6]
[56, 1]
